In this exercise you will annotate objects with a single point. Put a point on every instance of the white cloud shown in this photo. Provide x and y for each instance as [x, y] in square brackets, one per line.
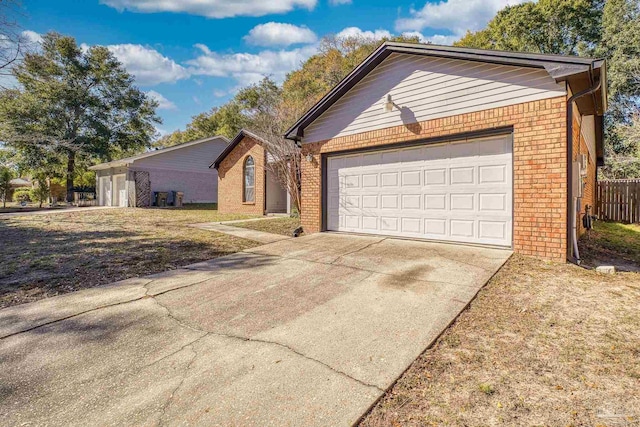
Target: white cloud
[248, 68]
[279, 34]
[32, 36]
[357, 32]
[435, 39]
[212, 8]
[380, 33]
[160, 132]
[148, 65]
[163, 103]
[457, 16]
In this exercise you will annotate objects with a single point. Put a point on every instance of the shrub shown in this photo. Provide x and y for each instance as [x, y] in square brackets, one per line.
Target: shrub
[40, 193]
[22, 195]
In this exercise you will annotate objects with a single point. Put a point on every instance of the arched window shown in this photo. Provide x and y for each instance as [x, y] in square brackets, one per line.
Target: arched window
[248, 193]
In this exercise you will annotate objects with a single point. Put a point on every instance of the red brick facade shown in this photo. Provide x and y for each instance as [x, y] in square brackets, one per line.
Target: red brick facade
[230, 177]
[539, 157]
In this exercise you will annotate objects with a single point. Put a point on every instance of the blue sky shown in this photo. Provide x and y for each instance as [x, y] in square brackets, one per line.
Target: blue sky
[194, 54]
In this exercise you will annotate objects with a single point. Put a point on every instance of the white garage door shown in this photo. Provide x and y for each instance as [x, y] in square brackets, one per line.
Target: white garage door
[460, 191]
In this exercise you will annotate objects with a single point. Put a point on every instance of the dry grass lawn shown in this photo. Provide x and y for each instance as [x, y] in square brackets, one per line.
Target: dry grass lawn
[46, 255]
[543, 344]
[612, 243]
[284, 226]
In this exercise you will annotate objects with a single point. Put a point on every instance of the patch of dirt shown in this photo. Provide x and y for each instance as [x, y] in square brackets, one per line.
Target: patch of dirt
[47, 255]
[542, 344]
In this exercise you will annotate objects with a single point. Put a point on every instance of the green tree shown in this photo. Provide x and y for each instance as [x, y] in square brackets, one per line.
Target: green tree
[336, 57]
[74, 105]
[40, 191]
[226, 120]
[621, 46]
[567, 27]
[5, 184]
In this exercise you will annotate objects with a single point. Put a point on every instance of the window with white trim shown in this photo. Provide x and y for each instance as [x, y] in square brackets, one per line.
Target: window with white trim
[248, 193]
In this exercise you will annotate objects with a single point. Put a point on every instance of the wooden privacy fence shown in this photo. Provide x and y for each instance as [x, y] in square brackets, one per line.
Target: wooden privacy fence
[618, 200]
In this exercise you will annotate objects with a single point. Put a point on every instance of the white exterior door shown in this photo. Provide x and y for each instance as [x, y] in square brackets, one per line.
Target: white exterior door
[459, 191]
[105, 190]
[120, 191]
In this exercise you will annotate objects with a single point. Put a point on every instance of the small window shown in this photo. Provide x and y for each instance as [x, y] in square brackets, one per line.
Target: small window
[248, 194]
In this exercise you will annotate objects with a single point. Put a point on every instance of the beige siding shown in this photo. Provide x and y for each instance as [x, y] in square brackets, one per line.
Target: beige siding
[195, 158]
[588, 130]
[425, 88]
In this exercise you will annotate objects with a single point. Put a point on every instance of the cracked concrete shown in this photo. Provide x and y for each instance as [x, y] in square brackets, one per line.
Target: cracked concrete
[306, 331]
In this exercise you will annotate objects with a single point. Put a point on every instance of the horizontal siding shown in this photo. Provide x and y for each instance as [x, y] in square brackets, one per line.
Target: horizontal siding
[425, 88]
[588, 130]
[195, 158]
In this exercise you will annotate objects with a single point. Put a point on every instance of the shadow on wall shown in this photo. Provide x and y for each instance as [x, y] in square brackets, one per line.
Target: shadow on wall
[410, 120]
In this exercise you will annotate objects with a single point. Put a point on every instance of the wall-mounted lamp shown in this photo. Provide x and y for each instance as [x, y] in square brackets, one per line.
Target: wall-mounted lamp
[388, 106]
[309, 158]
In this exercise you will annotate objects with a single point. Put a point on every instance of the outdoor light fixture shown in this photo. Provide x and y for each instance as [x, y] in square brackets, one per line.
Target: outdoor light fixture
[388, 106]
[309, 158]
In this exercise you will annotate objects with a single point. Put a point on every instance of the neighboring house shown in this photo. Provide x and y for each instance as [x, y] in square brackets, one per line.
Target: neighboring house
[185, 168]
[245, 184]
[20, 183]
[458, 145]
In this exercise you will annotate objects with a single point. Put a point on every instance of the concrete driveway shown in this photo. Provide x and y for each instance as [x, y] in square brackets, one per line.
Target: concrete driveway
[306, 331]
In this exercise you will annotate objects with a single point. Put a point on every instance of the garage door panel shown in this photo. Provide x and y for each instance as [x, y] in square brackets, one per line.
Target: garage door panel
[389, 224]
[389, 201]
[462, 202]
[437, 202]
[462, 228]
[460, 192]
[370, 223]
[435, 177]
[370, 180]
[389, 179]
[492, 174]
[435, 228]
[493, 202]
[492, 230]
[411, 178]
[411, 201]
[411, 225]
[461, 175]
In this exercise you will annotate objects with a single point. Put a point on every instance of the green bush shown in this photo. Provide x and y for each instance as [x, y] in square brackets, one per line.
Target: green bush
[40, 193]
[22, 195]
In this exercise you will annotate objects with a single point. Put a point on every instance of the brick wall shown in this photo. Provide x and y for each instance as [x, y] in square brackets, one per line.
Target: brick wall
[230, 177]
[540, 176]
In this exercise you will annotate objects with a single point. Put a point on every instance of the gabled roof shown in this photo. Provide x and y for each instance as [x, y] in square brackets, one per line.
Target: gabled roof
[20, 182]
[128, 160]
[235, 141]
[560, 67]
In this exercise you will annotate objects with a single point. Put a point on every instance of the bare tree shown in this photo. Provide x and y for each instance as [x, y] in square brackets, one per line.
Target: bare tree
[13, 41]
[283, 161]
[268, 117]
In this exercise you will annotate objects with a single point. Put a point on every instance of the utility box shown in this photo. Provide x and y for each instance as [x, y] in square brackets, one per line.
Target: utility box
[177, 198]
[160, 198]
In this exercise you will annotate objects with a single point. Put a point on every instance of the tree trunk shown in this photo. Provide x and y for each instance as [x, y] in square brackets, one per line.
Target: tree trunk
[71, 165]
